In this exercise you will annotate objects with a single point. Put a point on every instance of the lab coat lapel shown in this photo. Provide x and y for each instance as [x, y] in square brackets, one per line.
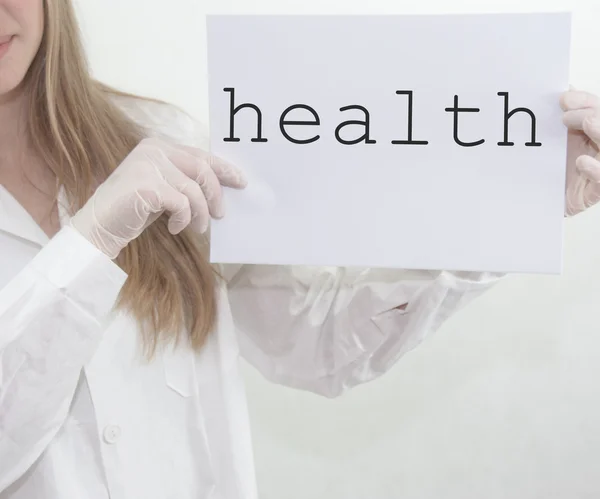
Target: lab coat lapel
[16, 221]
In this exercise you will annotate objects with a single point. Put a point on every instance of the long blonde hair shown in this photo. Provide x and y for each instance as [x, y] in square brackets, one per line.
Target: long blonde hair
[83, 136]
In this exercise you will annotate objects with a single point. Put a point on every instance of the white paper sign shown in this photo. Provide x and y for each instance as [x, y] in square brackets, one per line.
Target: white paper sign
[455, 159]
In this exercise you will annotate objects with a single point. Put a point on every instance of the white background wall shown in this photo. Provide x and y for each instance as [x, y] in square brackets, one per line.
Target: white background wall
[502, 403]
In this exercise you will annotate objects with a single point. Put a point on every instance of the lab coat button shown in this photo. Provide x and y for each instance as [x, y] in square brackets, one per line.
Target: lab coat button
[111, 434]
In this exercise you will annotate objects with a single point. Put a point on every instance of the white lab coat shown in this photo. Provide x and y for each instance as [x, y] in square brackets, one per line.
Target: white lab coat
[84, 416]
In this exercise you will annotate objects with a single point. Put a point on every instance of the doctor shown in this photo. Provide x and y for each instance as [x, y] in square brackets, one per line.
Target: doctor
[119, 342]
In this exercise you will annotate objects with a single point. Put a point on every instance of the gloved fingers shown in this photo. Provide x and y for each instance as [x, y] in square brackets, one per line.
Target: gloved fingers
[589, 167]
[228, 174]
[198, 205]
[200, 172]
[168, 199]
[578, 99]
[591, 127]
[209, 183]
[574, 119]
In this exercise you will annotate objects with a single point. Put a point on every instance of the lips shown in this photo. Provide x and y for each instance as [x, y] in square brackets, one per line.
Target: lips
[5, 43]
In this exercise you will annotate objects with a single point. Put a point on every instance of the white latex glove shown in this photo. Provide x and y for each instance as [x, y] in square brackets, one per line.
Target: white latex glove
[582, 117]
[154, 178]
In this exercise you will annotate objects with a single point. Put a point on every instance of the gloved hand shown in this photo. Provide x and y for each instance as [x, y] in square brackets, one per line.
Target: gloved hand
[154, 178]
[582, 117]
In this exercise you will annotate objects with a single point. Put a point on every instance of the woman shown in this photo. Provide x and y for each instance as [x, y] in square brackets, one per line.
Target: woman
[118, 341]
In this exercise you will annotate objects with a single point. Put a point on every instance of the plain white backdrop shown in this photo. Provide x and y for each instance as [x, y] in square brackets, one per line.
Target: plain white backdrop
[503, 402]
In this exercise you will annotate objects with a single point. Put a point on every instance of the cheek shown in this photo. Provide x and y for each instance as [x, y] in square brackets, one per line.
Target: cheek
[13, 67]
[29, 27]
[33, 15]
[30, 17]
[32, 20]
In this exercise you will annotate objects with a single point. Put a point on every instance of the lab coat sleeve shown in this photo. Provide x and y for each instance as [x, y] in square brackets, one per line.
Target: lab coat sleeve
[324, 329]
[51, 320]
[328, 329]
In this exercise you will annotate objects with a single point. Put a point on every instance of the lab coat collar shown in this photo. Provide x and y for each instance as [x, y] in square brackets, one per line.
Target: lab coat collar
[15, 220]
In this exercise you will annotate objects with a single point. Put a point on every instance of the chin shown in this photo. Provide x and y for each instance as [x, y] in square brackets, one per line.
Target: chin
[11, 85]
